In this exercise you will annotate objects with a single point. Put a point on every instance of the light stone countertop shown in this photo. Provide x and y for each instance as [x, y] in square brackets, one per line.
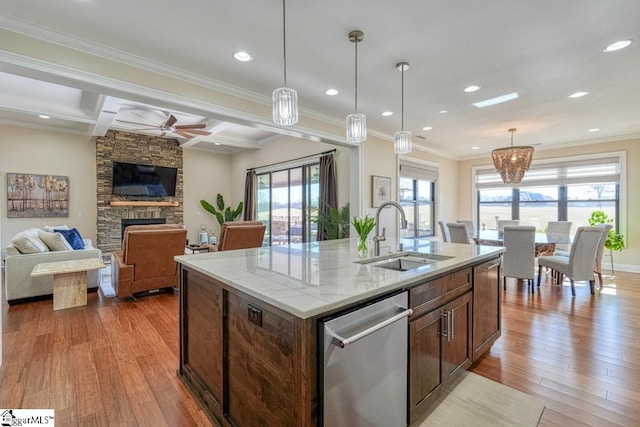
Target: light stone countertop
[310, 279]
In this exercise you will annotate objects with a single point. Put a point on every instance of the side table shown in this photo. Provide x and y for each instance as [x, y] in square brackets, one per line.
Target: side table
[196, 249]
[69, 280]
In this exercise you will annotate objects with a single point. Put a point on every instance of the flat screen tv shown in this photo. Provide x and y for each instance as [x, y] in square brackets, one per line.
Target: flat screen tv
[131, 179]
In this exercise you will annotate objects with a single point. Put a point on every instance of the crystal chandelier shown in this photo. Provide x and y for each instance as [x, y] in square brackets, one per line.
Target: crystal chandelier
[356, 123]
[284, 99]
[402, 140]
[512, 162]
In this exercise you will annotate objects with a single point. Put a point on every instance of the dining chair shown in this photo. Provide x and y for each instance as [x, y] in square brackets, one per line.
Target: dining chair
[504, 222]
[458, 233]
[519, 260]
[469, 224]
[598, 264]
[580, 263]
[559, 232]
[444, 231]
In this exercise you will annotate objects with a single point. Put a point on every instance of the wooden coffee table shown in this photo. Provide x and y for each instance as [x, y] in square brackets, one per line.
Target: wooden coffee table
[69, 280]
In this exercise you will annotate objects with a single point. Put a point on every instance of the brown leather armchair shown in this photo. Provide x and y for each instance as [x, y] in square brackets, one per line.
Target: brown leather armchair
[146, 259]
[239, 235]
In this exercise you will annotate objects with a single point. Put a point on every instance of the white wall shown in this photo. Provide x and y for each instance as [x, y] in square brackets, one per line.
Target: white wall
[41, 152]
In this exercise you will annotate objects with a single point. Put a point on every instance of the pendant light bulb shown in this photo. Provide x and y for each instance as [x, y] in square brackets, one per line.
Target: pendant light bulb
[356, 123]
[284, 99]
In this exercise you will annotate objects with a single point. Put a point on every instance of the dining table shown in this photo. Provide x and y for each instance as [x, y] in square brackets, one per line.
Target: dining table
[545, 242]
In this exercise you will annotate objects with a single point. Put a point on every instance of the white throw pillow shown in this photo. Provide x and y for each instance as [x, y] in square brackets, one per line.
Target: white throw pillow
[55, 241]
[50, 228]
[28, 242]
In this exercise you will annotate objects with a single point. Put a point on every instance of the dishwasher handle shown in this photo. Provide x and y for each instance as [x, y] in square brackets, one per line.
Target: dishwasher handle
[343, 342]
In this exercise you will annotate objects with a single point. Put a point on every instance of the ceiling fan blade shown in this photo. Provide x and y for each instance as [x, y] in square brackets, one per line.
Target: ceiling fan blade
[144, 118]
[194, 126]
[193, 131]
[132, 123]
[171, 120]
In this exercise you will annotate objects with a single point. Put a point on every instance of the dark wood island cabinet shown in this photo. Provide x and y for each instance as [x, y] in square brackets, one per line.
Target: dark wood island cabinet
[251, 362]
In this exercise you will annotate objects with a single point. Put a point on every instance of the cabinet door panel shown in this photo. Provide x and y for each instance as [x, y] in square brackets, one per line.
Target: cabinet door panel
[457, 355]
[425, 353]
[486, 306]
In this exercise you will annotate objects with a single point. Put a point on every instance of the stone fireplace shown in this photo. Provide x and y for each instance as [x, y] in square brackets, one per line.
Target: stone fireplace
[114, 210]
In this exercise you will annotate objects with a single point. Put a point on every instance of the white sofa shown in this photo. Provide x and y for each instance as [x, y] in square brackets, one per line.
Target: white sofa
[21, 287]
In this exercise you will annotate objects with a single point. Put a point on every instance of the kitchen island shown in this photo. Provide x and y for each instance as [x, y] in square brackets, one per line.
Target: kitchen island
[249, 322]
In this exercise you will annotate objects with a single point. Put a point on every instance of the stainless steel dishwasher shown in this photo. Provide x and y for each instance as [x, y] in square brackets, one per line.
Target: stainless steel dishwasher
[364, 363]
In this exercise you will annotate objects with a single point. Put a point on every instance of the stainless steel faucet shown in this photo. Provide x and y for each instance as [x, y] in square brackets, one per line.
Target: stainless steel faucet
[379, 238]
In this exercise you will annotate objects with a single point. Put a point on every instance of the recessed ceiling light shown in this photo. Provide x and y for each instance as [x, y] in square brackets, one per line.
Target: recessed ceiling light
[471, 88]
[594, 130]
[242, 56]
[620, 44]
[497, 100]
[217, 143]
[331, 92]
[475, 148]
[427, 128]
[443, 111]
[387, 113]
[578, 94]
[44, 116]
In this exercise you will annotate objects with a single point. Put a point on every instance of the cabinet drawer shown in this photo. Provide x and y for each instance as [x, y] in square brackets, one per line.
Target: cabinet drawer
[427, 296]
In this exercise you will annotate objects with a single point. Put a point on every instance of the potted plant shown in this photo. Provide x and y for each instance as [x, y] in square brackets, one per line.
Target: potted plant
[363, 227]
[222, 214]
[615, 240]
[334, 224]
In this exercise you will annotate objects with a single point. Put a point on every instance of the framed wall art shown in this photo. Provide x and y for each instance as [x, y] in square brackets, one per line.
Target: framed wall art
[37, 196]
[380, 190]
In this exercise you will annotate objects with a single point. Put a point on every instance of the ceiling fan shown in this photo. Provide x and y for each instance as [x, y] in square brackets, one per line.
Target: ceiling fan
[169, 126]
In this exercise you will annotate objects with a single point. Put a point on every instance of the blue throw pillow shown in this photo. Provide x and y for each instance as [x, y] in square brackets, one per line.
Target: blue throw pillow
[73, 237]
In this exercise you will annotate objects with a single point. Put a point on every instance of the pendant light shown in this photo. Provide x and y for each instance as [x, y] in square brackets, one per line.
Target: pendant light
[284, 99]
[512, 162]
[402, 140]
[356, 123]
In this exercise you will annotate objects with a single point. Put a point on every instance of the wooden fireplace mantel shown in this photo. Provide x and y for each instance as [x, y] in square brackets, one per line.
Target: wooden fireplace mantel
[142, 203]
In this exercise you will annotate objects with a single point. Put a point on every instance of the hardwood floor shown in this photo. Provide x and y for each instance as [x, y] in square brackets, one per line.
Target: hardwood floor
[113, 362]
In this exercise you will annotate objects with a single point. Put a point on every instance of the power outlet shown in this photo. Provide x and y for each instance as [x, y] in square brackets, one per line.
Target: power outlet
[254, 315]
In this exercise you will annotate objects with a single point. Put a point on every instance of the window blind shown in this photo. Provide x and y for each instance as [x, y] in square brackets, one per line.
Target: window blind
[585, 171]
[419, 171]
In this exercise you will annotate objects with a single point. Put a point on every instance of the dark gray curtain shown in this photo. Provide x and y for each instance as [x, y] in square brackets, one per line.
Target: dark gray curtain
[250, 196]
[327, 187]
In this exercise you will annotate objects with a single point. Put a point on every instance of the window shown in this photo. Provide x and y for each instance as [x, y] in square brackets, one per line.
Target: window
[287, 201]
[416, 196]
[567, 190]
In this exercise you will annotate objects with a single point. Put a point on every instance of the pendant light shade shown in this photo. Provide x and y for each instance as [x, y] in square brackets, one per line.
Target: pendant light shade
[284, 99]
[512, 162]
[356, 123]
[402, 140]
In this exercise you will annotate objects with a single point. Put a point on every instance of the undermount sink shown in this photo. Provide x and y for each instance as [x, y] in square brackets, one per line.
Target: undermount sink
[404, 261]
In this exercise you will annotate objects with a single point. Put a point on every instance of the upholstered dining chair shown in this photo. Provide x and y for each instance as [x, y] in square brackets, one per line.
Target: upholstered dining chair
[519, 260]
[559, 232]
[469, 224]
[504, 222]
[444, 231]
[457, 233]
[598, 265]
[580, 263]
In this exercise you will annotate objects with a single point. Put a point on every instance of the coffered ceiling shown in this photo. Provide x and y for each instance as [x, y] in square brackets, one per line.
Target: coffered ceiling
[544, 50]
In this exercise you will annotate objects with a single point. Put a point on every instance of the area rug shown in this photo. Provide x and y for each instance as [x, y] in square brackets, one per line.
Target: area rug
[478, 401]
[105, 283]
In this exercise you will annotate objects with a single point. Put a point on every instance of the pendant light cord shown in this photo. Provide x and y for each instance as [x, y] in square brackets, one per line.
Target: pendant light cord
[284, 40]
[402, 99]
[356, 43]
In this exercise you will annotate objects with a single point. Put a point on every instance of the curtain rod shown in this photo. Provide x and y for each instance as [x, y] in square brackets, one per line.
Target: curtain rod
[293, 160]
